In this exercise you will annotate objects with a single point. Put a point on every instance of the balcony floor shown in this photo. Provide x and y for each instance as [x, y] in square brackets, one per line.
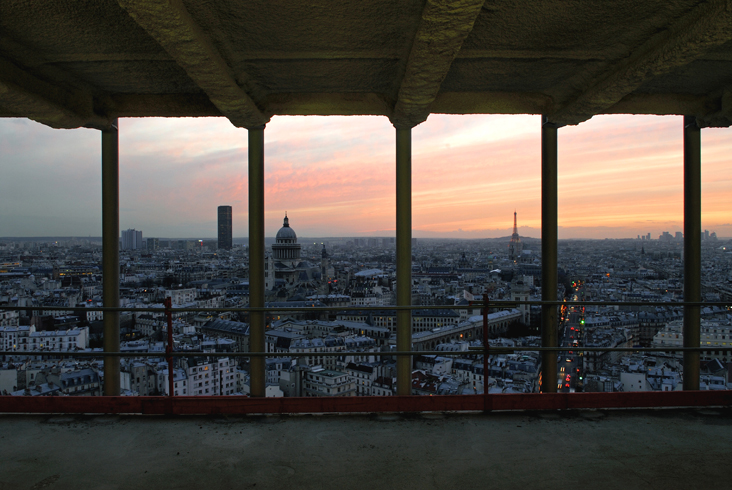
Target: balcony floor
[599, 449]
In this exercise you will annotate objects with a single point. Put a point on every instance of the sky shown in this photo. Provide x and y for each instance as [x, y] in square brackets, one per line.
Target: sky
[619, 176]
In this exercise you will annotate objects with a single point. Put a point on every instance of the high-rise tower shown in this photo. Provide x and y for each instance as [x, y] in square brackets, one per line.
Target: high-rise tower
[131, 239]
[515, 247]
[225, 227]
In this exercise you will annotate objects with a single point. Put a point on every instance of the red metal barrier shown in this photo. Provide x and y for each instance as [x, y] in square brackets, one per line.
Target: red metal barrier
[190, 405]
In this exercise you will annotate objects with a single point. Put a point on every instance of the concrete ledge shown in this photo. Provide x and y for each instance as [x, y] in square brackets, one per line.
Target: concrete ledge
[604, 449]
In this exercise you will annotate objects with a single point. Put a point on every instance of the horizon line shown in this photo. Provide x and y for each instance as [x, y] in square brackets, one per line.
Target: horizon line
[88, 237]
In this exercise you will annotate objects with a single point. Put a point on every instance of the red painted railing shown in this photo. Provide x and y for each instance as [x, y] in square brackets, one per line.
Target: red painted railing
[200, 405]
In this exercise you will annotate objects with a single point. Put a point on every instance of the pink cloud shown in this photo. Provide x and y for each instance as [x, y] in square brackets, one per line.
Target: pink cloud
[336, 175]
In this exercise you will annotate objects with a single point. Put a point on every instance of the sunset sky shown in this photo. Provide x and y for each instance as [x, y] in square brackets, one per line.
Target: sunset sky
[619, 176]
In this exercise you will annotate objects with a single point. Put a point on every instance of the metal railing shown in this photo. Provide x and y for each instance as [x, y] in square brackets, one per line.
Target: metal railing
[481, 402]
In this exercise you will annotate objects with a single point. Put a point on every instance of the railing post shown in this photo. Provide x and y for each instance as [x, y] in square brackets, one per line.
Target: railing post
[168, 303]
[549, 254]
[692, 249]
[486, 349]
[256, 259]
[110, 255]
[404, 257]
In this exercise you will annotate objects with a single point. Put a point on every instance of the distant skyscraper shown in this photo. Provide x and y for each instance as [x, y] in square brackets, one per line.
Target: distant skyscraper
[225, 227]
[131, 239]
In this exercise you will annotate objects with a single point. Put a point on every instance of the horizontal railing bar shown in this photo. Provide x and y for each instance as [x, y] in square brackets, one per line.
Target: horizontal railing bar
[602, 349]
[470, 351]
[264, 309]
[491, 304]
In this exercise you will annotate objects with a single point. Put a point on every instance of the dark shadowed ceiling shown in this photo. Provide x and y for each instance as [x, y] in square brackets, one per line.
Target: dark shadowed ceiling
[81, 63]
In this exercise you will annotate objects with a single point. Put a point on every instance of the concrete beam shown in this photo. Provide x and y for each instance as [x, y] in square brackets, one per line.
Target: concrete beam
[355, 104]
[327, 104]
[490, 103]
[444, 26]
[24, 95]
[158, 105]
[372, 104]
[660, 104]
[721, 115]
[170, 24]
[705, 26]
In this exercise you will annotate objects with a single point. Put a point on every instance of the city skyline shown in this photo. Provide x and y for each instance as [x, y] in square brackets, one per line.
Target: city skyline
[619, 177]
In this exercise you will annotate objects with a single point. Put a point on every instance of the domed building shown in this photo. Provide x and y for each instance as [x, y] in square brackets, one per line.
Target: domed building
[289, 269]
[286, 250]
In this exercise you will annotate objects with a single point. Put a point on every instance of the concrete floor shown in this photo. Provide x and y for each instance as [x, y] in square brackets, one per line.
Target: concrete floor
[663, 449]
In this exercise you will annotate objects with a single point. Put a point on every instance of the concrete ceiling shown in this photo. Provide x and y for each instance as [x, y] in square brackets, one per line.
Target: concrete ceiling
[77, 63]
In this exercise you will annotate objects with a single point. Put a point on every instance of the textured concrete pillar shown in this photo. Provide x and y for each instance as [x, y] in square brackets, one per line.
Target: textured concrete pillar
[256, 258]
[692, 249]
[110, 255]
[549, 254]
[404, 257]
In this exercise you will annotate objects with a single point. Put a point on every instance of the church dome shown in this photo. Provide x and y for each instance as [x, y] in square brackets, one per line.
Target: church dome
[286, 249]
[286, 234]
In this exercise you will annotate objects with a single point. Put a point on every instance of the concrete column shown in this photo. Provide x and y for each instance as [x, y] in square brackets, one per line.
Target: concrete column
[692, 249]
[256, 258]
[404, 257]
[110, 255]
[549, 254]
